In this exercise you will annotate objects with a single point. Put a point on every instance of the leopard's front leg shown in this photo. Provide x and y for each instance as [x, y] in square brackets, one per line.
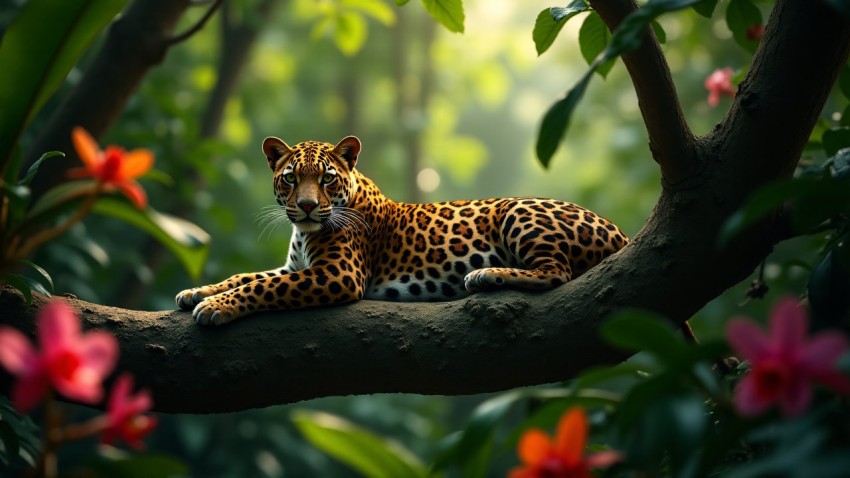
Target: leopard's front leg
[318, 285]
[189, 298]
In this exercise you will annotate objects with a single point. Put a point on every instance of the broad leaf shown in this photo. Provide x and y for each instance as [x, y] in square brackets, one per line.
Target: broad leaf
[556, 121]
[365, 452]
[448, 13]
[593, 37]
[740, 16]
[187, 241]
[550, 22]
[19, 283]
[40, 270]
[37, 52]
[27, 179]
[705, 8]
[638, 331]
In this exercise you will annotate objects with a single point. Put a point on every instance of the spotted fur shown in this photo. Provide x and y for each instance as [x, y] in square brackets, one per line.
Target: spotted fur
[351, 242]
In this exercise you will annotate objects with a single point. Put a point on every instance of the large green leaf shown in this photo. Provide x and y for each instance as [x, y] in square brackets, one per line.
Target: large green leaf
[550, 22]
[638, 331]
[740, 16]
[358, 448]
[627, 37]
[448, 12]
[593, 37]
[116, 464]
[187, 241]
[37, 51]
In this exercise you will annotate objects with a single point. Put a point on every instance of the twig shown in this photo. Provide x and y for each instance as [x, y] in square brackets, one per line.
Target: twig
[197, 26]
[670, 137]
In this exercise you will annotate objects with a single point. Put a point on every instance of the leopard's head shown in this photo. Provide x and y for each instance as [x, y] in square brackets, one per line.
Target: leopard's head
[313, 181]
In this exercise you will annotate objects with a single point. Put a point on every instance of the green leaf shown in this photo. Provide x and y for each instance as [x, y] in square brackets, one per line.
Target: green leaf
[844, 81]
[556, 121]
[593, 37]
[401, 2]
[34, 168]
[638, 331]
[550, 22]
[740, 16]
[813, 200]
[187, 241]
[11, 444]
[19, 283]
[40, 47]
[478, 433]
[828, 286]
[659, 32]
[122, 465]
[61, 198]
[26, 432]
[845, 117]
[448, 13]
[350, 32]
[368, 454]
[40, 270]
[835, 139]
[376, 9]
[705, 8]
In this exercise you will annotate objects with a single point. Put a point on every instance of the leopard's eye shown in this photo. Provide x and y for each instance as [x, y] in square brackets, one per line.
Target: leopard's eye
[289, 178]
[328, 178]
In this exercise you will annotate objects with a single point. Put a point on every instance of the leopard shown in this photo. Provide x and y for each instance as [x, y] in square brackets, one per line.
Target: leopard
[351, 242]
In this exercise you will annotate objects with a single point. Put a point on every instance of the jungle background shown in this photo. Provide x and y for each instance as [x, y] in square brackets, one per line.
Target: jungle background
[441, 115]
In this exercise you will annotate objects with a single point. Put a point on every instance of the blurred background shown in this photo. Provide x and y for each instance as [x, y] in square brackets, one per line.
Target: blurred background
[441, 116]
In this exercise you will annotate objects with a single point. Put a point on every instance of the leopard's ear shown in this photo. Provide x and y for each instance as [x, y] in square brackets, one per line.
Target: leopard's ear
[274, 149]
[348, 148]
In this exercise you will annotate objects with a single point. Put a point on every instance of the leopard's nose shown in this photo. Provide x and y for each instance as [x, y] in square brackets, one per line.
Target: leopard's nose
[307, 205]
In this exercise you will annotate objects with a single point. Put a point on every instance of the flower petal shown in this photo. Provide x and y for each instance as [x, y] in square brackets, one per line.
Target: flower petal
[16, 351]
[136, 163]
[134, 191]
[28, 391]
[87, 148]
[98, 351]
[58, 327]
[522, 472]
[84, 385]
[118, 395]
[822, 351]
[797, 398]
[747, 339]
[534, 447]
[834, 380]
[77, 173]
[603, 459]
[788, 325]
[571, 436]
[748, 402]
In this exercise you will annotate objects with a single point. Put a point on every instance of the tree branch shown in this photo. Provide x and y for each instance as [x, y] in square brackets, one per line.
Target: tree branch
[494, 341]
[670, 138]
[197, 26]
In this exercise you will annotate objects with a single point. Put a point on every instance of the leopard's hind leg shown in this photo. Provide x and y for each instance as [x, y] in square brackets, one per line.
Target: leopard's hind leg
[547, 275]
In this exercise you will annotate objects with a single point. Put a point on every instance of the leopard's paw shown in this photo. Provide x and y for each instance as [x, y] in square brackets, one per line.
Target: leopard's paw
[214, 311]
[483, 279]
[189, 298]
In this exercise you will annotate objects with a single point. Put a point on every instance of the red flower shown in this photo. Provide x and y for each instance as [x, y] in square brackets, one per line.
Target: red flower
[755, 31]
[114, 168]
[563, 458]
[784, 363]
[719, 83]
[125, 414]
[74, 363]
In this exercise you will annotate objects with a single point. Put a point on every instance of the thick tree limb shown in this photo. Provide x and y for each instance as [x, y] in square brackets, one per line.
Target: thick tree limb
[496, 341]
[670, 137]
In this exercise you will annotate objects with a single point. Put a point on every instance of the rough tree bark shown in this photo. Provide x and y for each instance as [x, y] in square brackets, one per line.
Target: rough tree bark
[495, 341]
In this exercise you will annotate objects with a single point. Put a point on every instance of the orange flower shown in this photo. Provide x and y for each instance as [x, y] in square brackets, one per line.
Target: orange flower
[113, 168]
[563, 458]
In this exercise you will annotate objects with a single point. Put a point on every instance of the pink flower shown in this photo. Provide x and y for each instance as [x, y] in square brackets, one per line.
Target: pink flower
[125, 414]
[74, 363]
[784, 362]
[719, 83]
[564, 457]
